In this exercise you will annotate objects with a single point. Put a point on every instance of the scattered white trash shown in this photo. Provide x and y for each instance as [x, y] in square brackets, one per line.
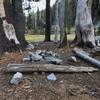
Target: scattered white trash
[17, 78]
[30, 47]
[72, 59]
[35, 57]
[27, 59]
[51, 77]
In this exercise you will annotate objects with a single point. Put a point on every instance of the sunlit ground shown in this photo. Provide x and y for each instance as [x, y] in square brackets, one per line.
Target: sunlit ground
[38, 38]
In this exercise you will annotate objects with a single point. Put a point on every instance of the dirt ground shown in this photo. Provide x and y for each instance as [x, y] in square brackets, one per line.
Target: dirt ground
[35, 86]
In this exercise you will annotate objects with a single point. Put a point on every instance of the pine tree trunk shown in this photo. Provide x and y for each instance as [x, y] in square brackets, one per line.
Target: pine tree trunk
[5, 44]
[14, 15]
[56, 23]
[48, 25]
[63, 38]
[19, 22]
[84, 25]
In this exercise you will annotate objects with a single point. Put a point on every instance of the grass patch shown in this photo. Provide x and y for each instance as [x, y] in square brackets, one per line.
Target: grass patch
[38, 38]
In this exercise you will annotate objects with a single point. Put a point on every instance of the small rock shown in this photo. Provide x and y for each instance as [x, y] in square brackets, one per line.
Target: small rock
[51, 77]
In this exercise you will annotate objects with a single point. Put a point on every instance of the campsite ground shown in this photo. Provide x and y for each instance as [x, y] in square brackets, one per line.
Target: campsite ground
[35, 86]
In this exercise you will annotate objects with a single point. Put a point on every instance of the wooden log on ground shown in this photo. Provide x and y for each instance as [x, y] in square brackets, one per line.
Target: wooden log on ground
[82, 54]
[48, 68]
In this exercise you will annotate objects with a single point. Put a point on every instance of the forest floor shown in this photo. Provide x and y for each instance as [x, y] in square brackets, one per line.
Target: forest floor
[68, 86]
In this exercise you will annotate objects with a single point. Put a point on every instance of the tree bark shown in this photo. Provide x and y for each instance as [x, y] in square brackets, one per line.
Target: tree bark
[63, 38]
[56, 23]
[15, 16]
[83, 23]
[19, 22]
[48, 24]
[5, 44]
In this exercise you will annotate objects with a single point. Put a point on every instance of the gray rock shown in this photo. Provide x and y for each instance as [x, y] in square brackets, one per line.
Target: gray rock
[53, 60]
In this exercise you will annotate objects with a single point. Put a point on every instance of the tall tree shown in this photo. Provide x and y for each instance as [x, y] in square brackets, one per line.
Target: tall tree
[84, 25]
[48, 24]
[29, 22]
[62, 23]
[13, 12]
[96, 11]
[56, 22]
[70, 14]
[4, 42]
[19, 21]
[38, 18]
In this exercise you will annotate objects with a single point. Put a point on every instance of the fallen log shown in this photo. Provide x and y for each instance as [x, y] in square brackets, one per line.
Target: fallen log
[48, 68]
[82, 54]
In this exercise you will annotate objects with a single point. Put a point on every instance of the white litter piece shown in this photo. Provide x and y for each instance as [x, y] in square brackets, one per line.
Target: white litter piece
[72, 59]
[38, 52]
[35, 57]
[17, 78]
[27, 59]
[51, 77]
[30, 47]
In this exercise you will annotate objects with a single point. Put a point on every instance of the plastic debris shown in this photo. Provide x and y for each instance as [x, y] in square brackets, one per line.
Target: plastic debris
[72, 59]
[38, 52]
[17, 78]
[42, 55]
[27, 59]
[53, 60]
[35, 57]
[97, 40]
[30, 47]
[51, 77]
